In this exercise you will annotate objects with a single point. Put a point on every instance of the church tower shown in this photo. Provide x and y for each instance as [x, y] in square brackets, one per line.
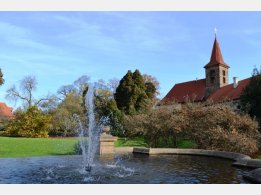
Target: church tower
[216, 71]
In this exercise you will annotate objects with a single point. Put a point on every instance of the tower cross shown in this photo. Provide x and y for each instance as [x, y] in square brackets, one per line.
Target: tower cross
[215, 31]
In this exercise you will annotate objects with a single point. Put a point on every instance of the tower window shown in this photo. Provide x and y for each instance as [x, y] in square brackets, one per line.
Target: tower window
[224, 73]
[212, 73]
[224, 80]
[212, 80]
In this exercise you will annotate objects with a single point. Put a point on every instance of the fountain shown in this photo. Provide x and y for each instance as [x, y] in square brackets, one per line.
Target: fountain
[93, 130]
[89, 146]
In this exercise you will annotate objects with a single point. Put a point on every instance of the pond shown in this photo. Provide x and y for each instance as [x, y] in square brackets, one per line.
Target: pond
[121, 169]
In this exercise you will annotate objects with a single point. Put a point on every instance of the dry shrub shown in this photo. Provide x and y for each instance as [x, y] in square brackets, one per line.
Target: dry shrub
[215, 127]
[223, 140]
[158, 127]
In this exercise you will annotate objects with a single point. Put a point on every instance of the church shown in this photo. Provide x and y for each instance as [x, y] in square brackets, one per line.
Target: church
[214, 88]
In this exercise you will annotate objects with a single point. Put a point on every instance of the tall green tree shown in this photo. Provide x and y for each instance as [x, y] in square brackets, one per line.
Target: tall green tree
[124, 93]
[134, 95]
[251, 96]
[141, 99]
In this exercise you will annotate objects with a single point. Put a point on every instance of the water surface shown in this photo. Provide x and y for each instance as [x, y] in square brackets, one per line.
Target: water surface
[121, 169]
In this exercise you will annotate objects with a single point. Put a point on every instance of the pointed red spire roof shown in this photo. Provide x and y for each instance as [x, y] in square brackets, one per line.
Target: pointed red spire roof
[216, 56]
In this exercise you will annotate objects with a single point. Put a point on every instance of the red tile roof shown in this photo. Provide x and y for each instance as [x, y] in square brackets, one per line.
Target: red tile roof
[184, 92]
[216, 56]
[228, 92]
[5, 111]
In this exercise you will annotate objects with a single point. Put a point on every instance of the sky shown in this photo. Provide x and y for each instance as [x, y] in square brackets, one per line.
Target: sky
[59, 47]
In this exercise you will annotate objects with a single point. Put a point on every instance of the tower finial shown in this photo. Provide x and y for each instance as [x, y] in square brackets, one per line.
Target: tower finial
[215, 31]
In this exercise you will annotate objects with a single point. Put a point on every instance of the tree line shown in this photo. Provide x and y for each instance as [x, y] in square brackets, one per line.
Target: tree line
[54, 114]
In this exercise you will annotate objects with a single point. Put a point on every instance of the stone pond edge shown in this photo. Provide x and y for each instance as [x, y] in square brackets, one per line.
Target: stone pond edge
[241, 160]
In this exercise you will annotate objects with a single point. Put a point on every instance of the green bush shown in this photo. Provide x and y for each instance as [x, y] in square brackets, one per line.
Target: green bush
[250, 98]
[32, 123]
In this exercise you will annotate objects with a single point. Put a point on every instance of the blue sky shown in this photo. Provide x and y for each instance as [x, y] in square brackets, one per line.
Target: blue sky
[59, 47]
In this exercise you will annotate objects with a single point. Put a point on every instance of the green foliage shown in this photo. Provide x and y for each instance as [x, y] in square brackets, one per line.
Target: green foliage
[1, 78]
[251, 97]
[152, 88]
[27, 147]
[105, 106]
[130, 142]
[186, 144]
[140, 142]
[32, 123]
[63, 121]
[215, 127]
[134, 95]
[123, 95]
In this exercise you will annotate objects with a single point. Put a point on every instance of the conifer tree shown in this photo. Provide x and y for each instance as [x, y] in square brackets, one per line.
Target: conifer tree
[123, 95]
[131, 94]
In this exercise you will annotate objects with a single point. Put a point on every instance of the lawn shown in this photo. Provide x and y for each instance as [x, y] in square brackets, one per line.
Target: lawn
[133, 142]
[139, 142]
[25, 147]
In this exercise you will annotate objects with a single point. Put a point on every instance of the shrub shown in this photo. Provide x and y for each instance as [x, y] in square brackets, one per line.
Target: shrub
[32, 123]
[157, 127]
[223, 140]
[215, 127]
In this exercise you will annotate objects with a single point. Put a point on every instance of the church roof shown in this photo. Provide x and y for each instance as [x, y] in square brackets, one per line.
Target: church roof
[5, 111]
[184, 92]
[216, 56]
[195, 91]
[228, 92]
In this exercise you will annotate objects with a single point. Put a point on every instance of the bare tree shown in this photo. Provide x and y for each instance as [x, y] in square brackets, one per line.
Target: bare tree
[25, 92]
[65, 90]
[50, 104]
[81, 84]
[100, 84]
[113, 84]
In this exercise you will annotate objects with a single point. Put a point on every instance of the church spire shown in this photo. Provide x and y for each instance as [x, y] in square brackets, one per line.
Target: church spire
[216, 70]
[216, 56]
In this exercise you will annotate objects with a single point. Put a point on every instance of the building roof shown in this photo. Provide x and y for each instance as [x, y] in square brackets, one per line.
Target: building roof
[228, 92]
[184, 92]
[216, 56]
[5, 111]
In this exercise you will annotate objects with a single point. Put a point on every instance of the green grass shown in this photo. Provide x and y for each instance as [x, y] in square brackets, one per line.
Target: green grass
[139, 142]
[186, 144]
[130, 142]
[25, 147]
